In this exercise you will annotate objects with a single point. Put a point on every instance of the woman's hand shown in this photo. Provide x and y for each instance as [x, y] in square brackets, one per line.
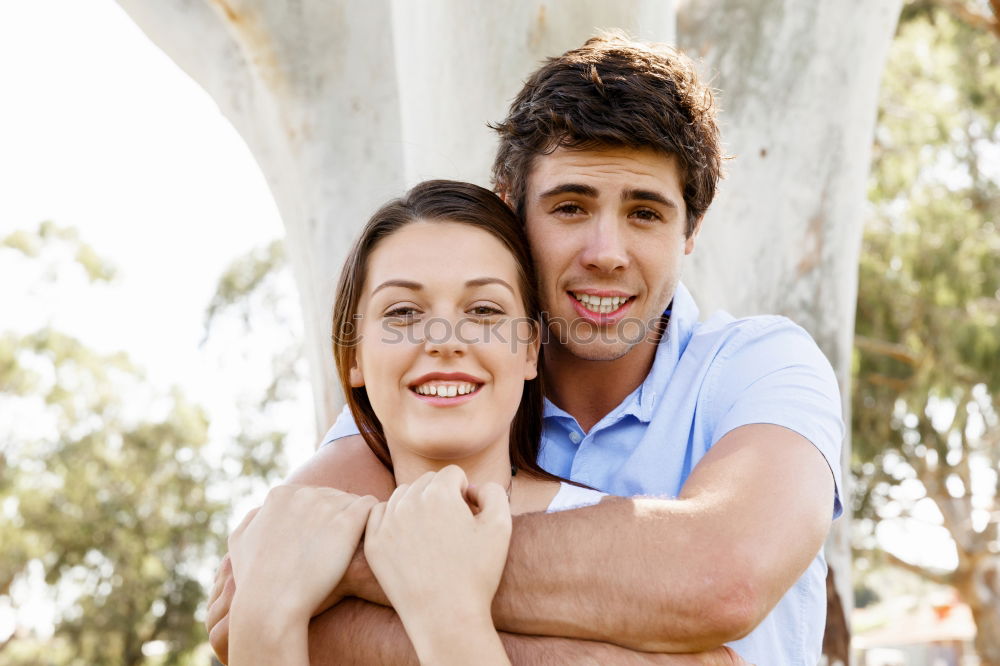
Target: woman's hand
[439, 564]
[286, 558]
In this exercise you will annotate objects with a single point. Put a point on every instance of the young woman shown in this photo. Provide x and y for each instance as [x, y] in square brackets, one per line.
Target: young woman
[436, 337]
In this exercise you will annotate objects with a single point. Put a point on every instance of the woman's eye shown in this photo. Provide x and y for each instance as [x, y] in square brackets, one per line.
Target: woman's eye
[485, 311]
[401, 312]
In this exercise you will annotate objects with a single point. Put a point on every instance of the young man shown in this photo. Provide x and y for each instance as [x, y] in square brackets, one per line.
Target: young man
[611, 155]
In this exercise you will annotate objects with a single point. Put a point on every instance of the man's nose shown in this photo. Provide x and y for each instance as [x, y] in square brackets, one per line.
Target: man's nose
[605, 249]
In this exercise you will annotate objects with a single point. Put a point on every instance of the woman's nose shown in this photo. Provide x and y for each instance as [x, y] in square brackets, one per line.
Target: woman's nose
[442, 337]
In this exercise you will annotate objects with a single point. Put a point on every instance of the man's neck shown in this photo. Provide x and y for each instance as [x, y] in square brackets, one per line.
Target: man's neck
[589, 390]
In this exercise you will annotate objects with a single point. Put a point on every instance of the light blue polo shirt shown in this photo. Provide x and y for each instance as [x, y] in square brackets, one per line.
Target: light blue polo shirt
[707, 379]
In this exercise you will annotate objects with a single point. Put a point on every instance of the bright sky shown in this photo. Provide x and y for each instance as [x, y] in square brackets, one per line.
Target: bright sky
[100, 131]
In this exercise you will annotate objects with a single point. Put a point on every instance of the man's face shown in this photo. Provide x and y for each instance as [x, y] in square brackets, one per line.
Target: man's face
[607, 233]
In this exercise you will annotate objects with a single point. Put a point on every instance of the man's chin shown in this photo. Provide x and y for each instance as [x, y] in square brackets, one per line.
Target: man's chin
[604, 351]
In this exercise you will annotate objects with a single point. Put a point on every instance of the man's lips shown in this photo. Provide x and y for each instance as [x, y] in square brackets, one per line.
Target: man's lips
[600, 306]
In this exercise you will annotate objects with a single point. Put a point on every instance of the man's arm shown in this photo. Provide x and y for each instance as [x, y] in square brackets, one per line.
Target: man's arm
[358, 632]
[671, 575]
[355, 631]
[676, 575]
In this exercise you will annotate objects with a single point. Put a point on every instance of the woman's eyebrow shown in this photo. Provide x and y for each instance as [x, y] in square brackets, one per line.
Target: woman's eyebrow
[416, 286]
[479, 282]
[405, 284]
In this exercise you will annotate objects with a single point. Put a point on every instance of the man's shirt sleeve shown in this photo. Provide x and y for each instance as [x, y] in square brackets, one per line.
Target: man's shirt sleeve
[775, 373]
[344, 426]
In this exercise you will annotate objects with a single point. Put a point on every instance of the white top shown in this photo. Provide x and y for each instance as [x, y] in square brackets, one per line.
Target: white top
[573, 497]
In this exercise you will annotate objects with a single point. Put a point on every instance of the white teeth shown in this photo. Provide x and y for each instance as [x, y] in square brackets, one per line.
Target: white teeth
[602, 305]
[445, 390]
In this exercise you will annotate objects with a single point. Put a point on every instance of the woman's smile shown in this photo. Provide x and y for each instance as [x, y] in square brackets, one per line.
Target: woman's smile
[446, 389]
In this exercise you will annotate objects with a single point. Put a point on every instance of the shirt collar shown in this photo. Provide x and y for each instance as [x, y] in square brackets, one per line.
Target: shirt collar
[683, 320]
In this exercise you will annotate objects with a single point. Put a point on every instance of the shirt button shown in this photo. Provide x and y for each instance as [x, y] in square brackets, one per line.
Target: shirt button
[575, 437]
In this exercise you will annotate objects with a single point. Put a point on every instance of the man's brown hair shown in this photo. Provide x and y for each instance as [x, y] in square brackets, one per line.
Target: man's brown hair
[613, 92]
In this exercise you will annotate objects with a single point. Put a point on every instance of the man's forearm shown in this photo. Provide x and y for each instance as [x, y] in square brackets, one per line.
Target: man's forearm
[358, 632]
[609, 588]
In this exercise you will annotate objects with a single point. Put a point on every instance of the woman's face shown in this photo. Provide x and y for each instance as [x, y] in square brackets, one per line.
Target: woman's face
[446, 344]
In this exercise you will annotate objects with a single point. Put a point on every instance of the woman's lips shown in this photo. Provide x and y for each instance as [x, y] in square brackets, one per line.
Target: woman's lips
[451, 396]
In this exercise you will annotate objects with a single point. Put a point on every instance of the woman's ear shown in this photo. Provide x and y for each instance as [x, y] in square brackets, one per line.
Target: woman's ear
[534, 347]
[357, 379]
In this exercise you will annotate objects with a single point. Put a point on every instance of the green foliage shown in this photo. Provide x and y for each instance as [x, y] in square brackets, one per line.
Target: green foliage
[246, 276]
[107, 486]
[49, 236]
[927, 357]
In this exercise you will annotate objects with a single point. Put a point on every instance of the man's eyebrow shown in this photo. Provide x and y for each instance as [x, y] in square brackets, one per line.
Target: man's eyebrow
[479, 282]
[405, 284]
[647, 195]
[570, 188]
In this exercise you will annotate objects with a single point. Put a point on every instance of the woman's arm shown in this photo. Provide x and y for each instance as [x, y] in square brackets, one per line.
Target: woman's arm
[287, 557]
[439, 564]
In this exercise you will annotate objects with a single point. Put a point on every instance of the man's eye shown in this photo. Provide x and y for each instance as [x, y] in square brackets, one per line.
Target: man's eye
[568, 209]
[647, 215]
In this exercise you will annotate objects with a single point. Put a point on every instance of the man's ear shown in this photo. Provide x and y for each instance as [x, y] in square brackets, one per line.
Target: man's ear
[357, 379]
[534, 347]
[690, 240]
[504, 195]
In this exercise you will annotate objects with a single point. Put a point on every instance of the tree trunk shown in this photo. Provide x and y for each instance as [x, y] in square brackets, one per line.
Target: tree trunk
[799, 92]
[978, 585]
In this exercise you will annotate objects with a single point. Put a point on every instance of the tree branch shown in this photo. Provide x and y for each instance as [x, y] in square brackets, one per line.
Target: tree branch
[939, 577]
[197, 38]
[891, 349]
[961, 11]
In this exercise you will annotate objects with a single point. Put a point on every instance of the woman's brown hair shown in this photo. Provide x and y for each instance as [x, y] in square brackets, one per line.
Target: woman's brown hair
[437, 201]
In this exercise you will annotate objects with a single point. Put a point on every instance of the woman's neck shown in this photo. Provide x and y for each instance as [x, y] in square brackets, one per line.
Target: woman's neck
[526, 492]
[489, 465]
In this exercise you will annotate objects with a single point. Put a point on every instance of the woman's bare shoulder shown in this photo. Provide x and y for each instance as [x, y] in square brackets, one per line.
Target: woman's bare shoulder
[530, 494]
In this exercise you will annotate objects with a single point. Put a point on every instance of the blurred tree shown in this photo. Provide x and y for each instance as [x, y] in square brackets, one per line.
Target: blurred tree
[106, 490]
[927, 350]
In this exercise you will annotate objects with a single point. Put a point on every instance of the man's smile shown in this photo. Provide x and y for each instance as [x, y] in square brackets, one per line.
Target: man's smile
[600, 309]
[601, 302]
